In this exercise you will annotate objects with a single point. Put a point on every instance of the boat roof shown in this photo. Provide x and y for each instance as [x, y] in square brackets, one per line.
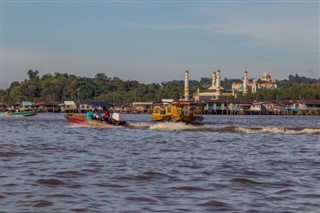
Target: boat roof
[95, 104]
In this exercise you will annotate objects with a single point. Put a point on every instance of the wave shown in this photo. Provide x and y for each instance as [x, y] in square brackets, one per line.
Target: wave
[141, 125]
[171, 126]
[279, 130]
[4, 115]
[50, 182]
[234, 129]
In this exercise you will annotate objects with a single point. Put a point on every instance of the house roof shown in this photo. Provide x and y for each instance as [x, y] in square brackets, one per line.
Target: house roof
[69, 103]
[142, 103]
[39, 103]
[26, 103]
[312, 101]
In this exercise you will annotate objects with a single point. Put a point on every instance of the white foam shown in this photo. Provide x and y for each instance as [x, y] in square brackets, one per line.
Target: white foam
[311, 131]
[141, 125]
[172, 126]
[279, 130]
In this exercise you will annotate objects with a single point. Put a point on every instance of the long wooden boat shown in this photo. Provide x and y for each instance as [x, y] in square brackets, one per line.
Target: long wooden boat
[178, 111]
[81, 119]
[22, 113]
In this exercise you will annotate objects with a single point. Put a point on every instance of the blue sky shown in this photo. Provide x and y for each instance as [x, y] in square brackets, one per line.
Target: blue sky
[155, 41]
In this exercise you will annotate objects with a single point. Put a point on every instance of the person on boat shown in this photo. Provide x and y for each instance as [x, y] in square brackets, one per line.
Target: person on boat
[162, 111]
[106, 112]
[96, 114]
[89, 115]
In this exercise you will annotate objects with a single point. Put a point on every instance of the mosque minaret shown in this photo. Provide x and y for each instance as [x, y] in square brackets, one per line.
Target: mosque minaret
[186, 85]
[213, 80]
[218, 81]
[245, 83]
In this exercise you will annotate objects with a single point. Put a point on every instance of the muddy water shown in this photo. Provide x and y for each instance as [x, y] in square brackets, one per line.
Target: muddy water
[229, 164]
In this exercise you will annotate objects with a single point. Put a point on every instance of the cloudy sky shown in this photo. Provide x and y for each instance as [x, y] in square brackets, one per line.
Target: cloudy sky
[155, 41]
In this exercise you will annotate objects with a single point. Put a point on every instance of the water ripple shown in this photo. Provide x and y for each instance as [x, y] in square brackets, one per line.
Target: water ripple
[50, 182]
[229, 164]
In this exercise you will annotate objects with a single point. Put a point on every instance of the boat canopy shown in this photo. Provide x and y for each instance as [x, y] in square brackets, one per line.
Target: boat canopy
[95, 104]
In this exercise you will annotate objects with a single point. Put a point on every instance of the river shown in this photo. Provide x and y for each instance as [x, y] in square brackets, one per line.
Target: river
[228, 164]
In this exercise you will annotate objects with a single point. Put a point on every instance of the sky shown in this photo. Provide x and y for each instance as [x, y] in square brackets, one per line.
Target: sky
[156, 41]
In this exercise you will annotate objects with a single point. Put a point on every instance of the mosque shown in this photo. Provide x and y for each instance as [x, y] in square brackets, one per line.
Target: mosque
[216, 91]
[264, 82]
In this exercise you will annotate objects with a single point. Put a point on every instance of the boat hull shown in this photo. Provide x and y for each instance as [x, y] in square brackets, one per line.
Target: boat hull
[81, 119]
[75, 118]
[23, 113]
[161, 117]
[192, 119]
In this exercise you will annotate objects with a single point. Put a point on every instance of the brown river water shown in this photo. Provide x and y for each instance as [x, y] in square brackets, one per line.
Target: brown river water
[228, 164]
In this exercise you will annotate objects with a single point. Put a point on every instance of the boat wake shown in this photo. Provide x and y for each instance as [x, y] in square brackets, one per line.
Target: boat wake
[164, 126]
[139, 125]
[4, 115]
[170, 126]
[279, 130]
[173, 126]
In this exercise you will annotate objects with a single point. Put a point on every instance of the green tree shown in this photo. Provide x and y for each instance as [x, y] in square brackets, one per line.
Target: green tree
[33, 74]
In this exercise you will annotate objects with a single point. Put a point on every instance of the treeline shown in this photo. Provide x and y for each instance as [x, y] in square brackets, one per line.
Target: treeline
[295, 92]
[60, 87]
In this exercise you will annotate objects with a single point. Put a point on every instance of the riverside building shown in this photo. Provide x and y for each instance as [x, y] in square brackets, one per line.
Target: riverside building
[264, 82]
[215, 91]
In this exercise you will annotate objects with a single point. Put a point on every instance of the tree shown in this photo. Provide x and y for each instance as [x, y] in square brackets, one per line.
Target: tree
[60, 86]
[33, 75]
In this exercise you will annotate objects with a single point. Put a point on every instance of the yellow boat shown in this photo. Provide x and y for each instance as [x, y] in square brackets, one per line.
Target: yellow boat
[161, 112]
[177, 111]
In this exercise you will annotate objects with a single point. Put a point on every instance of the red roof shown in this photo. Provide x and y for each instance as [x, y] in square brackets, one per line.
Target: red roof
[39, 103]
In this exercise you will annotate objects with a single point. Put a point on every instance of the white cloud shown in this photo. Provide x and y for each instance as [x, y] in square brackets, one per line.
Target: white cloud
[274, 25]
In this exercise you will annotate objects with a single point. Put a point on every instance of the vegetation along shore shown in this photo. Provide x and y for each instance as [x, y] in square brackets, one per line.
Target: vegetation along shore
[295, 95]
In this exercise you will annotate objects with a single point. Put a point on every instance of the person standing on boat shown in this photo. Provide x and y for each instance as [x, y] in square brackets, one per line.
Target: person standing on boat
[106, 113]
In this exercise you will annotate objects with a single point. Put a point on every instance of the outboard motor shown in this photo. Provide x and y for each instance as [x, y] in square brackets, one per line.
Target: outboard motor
[116, 116]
